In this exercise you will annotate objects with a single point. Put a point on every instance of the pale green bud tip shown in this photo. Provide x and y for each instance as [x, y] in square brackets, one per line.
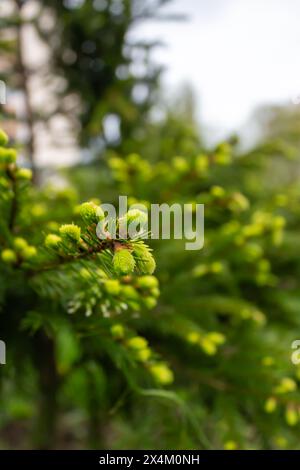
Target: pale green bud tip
[52, 241]
[147, 282]
[150, 302]
[216, 267]
[123, 262]
[129, 293]
[20, 244]
[180, 164]
[279, 222]
[291, 416]
[29, 252]
[70, 232]
[136, 215]
[143, 354]
[24, 174]
[162, 374]
[90, 212]
[7, 155]
[230, 445]
[216, 337]
[286, 385]
[112, 286]
[144, 259]
[8, 256]
[270, 405]
[193, 337]
[137, 342]
[239, 202]
[217, 191]
[268, 361]
[117, 331]
[208, 346]
[3, 138]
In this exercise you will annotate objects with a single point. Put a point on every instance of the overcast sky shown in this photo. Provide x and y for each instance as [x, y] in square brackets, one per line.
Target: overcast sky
[237, 54]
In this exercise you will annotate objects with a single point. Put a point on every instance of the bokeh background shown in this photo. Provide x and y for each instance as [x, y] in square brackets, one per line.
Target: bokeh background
[163, 101]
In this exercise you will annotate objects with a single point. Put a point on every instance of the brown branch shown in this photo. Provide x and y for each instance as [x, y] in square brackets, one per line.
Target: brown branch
[72, 259]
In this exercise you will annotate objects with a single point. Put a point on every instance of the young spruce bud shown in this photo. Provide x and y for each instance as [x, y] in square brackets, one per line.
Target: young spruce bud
[144, 259]
[3, 138]
[20, 244]
[8, 256]
[70, 232]
[7, 155]
[90, 212]
[52, 241]
[123, 262]
[162, 374]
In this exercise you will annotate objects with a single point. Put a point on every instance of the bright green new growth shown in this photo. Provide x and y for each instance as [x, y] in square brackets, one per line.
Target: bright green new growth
[29, 252]
[118, 331]
[7, 156]
[52, 241]
[20, 244]
[123, 262]
[90, 212]
[137, 342]
[137, 216]
[24, 174]
[147, 282]
[3, 138]
[162, 374]
[112, 286]
[144, 260]
[70, 232]
[129, 293]
[8, 256]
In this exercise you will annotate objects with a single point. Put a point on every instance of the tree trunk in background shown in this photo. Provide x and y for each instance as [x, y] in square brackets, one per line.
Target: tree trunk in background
[24, 76]
[45, 428]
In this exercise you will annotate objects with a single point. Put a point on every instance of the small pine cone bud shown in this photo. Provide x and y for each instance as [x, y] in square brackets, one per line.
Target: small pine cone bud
[137, 216]
[52, 241]
[208, 346]
[112, 286]
[217, 192]
[9, 256]
[3, 138]
[117, 331]
[238, 202]
[137, 343]
[291, 416]
[216, 337]
[144, 259]
[70, 232]
[129, 293]
[162, 374]
[24, 174]
[123, 262]
[143, 355]
[270, 405]
[29, 252]
[180, 165]
[7, 155]
[155, 292]
[20, 244]
[150, 302]
[147, 282]
[90, 212]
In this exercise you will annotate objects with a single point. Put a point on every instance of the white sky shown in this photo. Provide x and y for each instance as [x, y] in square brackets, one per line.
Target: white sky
[237, 54]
